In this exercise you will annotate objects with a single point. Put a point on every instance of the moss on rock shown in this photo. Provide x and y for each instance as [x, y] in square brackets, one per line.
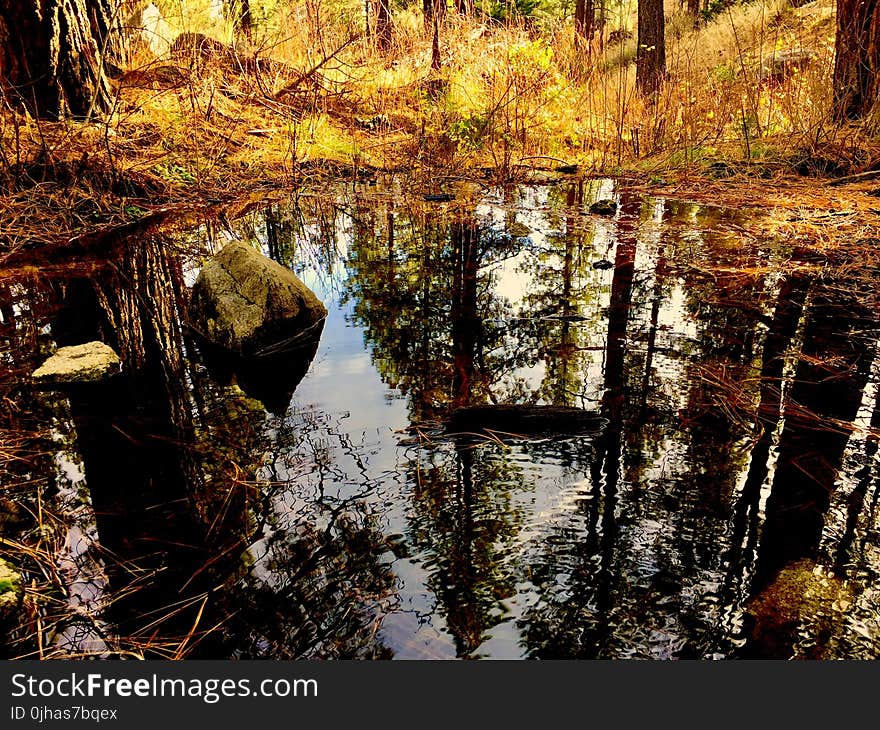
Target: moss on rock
[799, 610]
[11, 590]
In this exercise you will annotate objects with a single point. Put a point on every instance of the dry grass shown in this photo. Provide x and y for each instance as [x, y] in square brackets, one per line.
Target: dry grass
[194, 131]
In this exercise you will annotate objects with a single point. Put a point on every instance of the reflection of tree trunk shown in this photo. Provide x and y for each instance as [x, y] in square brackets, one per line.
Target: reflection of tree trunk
[135, 435]
[618, 310]
[866, 477]
[789, 308]
[463, 608]
[7, 311]
[465, 322]
[272, 239]
[605, 471]
[832, 372]
[656, 300]
[566, 348]
[390, 273]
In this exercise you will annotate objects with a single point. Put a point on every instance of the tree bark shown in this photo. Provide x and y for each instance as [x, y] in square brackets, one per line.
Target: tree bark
[651, 54]
[245, 21]
[432, 9]
[383, 24]
[53, 54]
[436, 17]
[584, 22]
[857, 58]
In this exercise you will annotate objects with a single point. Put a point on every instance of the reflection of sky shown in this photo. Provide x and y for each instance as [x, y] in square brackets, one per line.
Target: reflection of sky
[550, 496]
[659, 540]
[342, 379]
[665, 536]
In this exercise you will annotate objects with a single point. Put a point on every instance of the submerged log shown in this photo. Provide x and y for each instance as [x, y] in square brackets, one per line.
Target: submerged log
[523, 419]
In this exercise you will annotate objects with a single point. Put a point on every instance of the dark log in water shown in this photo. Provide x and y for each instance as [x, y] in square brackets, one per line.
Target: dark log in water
[523, 419]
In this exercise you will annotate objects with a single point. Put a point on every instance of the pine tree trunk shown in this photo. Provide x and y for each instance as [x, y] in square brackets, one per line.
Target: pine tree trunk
[430, 8]
[383, 24]
[52, 55]
[584, 22]
[857, 58]
[651, 54]
[246, 20]
[438, 11]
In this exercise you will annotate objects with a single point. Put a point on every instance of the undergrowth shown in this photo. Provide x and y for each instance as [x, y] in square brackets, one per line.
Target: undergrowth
[309, 91]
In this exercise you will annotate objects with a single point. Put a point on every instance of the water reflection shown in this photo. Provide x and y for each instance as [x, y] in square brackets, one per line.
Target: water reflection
[315, 507]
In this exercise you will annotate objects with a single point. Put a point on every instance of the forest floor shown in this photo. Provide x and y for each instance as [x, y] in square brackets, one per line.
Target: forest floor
[215, 132]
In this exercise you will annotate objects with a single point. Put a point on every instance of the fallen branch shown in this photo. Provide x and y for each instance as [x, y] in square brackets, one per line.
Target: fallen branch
[858, 177]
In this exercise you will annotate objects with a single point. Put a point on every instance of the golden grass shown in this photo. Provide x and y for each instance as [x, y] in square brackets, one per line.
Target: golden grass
[506, 97]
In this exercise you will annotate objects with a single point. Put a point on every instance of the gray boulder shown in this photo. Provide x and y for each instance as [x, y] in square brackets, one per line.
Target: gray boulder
[250, 305]
[782, 65]
[90, 362]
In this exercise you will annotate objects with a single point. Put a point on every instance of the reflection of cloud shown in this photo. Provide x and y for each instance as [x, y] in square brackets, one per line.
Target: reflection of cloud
[510, 280]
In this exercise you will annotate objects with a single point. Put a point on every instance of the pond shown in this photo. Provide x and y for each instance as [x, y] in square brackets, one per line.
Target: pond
[724, 505]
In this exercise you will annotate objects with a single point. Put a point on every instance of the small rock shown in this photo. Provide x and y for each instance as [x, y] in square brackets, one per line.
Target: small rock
[372, 124]
[782, 65]
[604, 207]
[90, 362]
[518, 230]
[603, 264]
[720, 169]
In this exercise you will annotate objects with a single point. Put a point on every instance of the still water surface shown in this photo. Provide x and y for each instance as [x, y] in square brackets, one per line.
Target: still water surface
[725, 508]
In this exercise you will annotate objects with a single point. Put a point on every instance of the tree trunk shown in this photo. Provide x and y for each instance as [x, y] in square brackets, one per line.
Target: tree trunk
[53, 54]
[465, 7]
[651, 54]
[584, 22]
[436, 17]
[432, 9]
[857, 58]
[245, 22]
[383, 24]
